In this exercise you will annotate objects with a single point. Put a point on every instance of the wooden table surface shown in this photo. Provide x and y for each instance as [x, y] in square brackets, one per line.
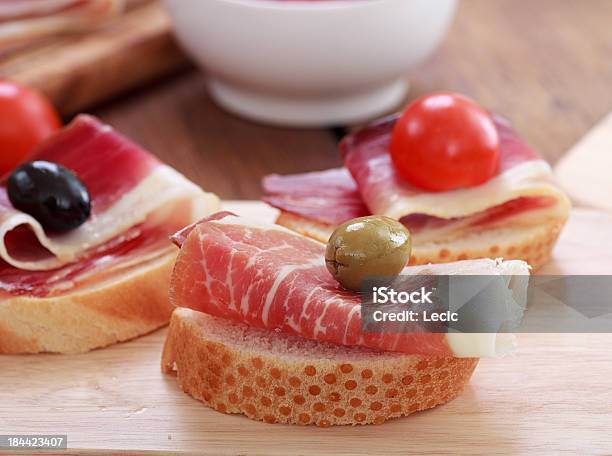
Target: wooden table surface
[546, 65]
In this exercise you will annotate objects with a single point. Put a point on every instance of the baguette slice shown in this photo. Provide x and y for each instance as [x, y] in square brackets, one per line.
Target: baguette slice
[127, 304]
[277, 378]
[533, 244]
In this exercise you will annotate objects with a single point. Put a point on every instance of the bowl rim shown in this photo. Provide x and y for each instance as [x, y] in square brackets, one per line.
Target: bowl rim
[301, 5]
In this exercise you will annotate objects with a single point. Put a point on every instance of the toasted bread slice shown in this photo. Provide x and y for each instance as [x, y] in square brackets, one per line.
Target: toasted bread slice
[532, 244]
[123, 306]
[277, 378]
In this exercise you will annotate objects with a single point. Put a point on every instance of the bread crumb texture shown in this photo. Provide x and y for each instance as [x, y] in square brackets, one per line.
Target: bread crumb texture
[284, 379]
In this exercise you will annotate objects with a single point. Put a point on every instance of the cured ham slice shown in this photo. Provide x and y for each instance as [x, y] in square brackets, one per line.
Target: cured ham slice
[137, 246]
[272, 278]
[27, 20]
[521, 174]
[128, 188]
[327, 196]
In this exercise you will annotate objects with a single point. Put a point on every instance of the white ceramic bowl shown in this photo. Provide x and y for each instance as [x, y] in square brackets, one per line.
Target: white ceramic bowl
[309, 63]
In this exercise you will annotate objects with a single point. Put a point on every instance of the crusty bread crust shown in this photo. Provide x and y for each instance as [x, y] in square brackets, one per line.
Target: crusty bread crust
[531, 244]
[331, 386]
[128, 305]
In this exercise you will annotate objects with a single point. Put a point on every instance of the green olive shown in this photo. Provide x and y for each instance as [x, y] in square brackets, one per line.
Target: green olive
[366, 247]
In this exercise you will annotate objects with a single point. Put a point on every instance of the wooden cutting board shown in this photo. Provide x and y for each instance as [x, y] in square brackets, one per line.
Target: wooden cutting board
[80, 70]
[585, 171]
[554, 395]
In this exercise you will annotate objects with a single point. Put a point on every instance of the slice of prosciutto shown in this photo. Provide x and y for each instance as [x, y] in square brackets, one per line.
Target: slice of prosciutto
[331, 196]
[129, 189]
[27, 20]
[522, 173]
[269, 277]
[521, 194]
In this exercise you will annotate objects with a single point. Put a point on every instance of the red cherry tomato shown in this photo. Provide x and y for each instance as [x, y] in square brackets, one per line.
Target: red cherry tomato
[26, 118]
[445, 141]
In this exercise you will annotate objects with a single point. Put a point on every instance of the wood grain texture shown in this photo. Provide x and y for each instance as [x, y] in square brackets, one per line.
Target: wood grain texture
[80, 70]
[545, 65]
[553, 396]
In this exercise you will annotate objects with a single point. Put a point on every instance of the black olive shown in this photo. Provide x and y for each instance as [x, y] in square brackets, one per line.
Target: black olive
[51, 194]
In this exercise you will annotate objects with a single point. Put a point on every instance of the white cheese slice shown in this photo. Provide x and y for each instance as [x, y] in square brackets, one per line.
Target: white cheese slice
[514, 295]
[529, 179]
